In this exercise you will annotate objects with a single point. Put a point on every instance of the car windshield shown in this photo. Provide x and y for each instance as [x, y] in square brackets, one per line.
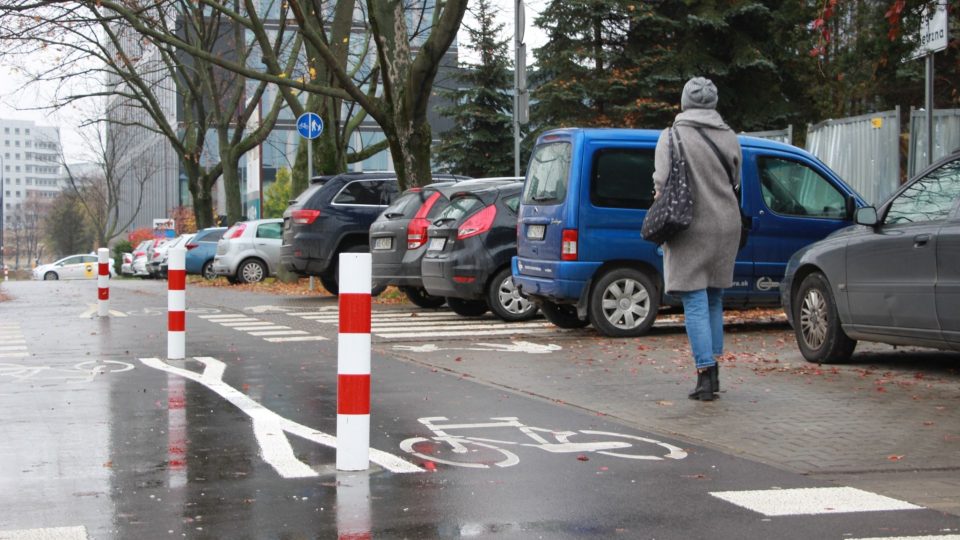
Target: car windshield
[547, 177]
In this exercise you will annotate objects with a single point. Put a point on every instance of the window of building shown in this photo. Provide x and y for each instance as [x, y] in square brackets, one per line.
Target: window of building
[16, 131]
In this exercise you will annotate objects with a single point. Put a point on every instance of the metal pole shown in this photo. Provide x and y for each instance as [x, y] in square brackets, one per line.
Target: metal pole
[928, 103]
[2, 222]
[517, 33]
[309, 178]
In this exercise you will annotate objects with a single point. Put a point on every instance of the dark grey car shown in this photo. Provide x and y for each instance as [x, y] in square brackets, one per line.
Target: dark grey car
[893, 278]
[398, 238]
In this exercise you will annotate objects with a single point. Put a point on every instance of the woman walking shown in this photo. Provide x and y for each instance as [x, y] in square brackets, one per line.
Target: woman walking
[698, 262]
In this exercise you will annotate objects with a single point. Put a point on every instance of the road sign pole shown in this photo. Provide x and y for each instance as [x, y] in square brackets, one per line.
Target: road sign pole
[928, 103]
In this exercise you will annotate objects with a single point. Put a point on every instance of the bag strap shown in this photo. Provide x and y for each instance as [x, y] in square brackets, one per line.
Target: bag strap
[726, 165]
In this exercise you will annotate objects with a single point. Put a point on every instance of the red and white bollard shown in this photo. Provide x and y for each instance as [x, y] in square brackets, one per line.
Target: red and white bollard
[176, 303]
[353, 363]
[103, 282]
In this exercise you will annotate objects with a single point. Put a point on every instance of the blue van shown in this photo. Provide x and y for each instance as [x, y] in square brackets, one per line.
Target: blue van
[580, 256]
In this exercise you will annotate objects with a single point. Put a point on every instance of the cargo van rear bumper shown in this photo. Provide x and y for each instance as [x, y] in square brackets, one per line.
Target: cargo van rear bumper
[564, 283]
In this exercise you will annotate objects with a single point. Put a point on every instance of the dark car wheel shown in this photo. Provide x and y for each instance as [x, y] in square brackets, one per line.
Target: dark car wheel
[251, 271]
[562, 315]
[330, 281]
[624, 303]
[505, 301]
[207, 270]
[467, 308]
[419, 296]
[51, 276]
[817, 325]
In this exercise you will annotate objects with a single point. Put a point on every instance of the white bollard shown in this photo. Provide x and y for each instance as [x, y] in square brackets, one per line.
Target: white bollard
[353, 363]
[103, 282]
[176, 303]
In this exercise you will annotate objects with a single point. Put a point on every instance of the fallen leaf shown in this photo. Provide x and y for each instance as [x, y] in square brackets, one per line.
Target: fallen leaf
[895, 458]
[582, 457]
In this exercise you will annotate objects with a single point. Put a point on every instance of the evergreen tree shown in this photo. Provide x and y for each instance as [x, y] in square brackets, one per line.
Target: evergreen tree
[481, 141]
[276, 196]
[581, 77]
[67, 229]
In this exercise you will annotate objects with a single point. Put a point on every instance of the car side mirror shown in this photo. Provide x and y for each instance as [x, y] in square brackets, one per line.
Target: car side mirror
[865, 216]
[850, 206]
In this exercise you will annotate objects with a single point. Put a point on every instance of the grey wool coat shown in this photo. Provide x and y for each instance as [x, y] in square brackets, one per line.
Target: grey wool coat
[703, 255]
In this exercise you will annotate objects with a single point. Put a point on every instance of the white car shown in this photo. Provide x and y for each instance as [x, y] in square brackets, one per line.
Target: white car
[81, 266]
[164, 251]
[249, 251]
[126, 267]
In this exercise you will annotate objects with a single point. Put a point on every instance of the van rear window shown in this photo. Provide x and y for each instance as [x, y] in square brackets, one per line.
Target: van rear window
[548, 174]
[622, 178]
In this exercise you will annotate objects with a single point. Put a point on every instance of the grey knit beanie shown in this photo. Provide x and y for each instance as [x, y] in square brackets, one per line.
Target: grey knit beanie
[698, 93]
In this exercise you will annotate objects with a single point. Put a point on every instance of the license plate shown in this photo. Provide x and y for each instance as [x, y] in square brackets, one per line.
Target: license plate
[383, 243]
[436, 244]
[535, 232]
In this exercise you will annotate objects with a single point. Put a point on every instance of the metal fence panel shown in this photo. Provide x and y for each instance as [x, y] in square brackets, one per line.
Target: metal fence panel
[946, 136]
[863, 150]
[780, 135]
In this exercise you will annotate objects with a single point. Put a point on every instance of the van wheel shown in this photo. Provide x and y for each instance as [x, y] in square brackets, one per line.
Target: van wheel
[419, 297]
[562, 315]
[817, 324]
[331, 280]
[505, 301]
[624, 303]
[467, 308]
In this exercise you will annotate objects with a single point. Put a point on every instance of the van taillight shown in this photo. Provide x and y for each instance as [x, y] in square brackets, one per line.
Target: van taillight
[478, 223]
[568, 250]
[236, 231]
[417, 228]
[304, 217]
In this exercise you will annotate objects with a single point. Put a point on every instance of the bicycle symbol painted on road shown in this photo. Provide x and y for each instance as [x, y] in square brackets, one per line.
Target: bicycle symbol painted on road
[481, 452]
[78, 373]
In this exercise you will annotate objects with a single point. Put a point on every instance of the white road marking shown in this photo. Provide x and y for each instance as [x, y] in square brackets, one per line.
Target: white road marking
[269, 427]
[279, 333]
[295, 338]
[515, 346]
[246, 323]
[92, 310]
[812, 501]
[13, 347]
[380, 316]
[503, 332]
[14, 354]
[256, 328]
[52, 533]
[223, 316]
[379, 329]
[934, 537]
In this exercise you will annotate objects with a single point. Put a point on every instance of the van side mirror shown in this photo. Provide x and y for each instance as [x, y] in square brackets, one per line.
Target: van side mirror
[865, 216]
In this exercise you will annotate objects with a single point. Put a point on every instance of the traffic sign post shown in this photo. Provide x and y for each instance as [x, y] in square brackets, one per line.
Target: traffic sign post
[931, 37]
[309, 126]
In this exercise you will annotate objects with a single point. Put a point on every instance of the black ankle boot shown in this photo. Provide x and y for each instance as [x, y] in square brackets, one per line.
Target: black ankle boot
[715, 378]
[704, 389]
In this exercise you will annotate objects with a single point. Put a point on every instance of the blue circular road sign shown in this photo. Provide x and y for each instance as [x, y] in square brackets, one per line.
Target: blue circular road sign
[309, 125]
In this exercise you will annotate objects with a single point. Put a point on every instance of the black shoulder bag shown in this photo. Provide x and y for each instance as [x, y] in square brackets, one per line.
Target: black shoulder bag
[745, 221]
[672, 210]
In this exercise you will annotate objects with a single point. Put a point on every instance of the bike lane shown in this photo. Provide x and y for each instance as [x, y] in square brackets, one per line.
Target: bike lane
[157, 453]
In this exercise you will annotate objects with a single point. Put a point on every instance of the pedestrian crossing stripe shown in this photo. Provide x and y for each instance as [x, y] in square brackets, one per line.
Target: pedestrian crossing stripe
[812, 501]
[268, 331]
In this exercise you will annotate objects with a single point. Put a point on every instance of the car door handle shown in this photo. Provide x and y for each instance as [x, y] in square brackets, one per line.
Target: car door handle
[921, 240]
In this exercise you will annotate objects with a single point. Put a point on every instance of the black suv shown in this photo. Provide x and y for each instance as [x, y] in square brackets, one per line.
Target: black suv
[469, 248]
[398, 238]
[333, 216]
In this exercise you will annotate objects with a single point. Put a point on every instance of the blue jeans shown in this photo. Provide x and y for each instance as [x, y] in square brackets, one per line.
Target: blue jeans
[703, 314]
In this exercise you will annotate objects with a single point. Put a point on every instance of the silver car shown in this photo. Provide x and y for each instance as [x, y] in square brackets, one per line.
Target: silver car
[892, 278]
[249, 251]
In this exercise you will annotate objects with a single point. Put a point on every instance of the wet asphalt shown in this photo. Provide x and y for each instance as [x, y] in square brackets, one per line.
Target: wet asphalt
[94, 438]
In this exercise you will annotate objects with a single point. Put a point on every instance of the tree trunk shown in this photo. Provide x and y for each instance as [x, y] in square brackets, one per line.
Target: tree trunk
[231, 187]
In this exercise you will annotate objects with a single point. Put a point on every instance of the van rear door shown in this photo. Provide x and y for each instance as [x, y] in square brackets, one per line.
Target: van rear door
[545, 197]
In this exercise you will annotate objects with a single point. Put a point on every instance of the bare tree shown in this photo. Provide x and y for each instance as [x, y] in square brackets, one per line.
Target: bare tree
[406, 72]
[27, 226]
